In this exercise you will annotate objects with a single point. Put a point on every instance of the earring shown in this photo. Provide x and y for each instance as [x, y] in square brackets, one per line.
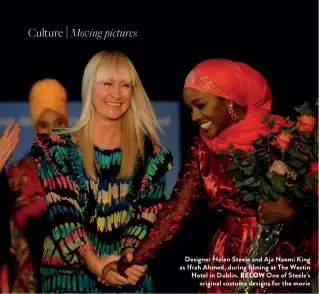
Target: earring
[231, 110]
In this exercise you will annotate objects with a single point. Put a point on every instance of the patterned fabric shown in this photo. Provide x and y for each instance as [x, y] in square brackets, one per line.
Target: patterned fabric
[24, 182]
[204, 180]
[5, 194]
[28, 207]
[107, 216]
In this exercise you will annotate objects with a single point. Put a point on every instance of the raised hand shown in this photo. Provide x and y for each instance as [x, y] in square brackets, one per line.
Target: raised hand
[8, 142]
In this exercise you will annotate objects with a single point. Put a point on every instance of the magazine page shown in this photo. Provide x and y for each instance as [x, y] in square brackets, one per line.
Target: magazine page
[178, 154]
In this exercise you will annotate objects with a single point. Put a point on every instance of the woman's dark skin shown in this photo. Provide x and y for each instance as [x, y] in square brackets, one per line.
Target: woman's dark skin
[212, 114]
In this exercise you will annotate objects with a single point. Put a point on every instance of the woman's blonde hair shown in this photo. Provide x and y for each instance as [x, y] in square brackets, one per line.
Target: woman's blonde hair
[137, 121]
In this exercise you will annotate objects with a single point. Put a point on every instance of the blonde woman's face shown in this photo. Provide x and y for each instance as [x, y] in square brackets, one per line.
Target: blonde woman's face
[49, 120]
[111, 98]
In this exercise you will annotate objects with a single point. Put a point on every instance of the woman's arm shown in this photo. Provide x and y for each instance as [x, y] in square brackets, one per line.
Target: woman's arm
[64, 211]
[186, 200]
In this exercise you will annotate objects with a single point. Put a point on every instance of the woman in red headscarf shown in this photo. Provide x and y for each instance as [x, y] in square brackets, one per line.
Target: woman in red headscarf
[228, 100]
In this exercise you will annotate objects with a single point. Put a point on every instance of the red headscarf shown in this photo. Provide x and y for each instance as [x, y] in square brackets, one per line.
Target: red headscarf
[242, 84]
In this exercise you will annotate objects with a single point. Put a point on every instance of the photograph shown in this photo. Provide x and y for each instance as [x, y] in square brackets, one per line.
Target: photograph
[171, 153]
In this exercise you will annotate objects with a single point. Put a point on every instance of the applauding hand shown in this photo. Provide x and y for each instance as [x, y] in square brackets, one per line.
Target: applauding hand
[8, 142]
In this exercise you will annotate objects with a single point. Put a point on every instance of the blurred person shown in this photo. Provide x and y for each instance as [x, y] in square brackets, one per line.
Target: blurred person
[8, 143]
[48, 110]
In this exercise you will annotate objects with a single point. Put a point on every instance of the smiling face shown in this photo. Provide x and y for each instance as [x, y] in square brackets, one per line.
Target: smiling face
[111, 97]
[209, 111]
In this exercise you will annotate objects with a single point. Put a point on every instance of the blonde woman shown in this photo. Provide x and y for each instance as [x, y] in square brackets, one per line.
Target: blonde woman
[104, 181]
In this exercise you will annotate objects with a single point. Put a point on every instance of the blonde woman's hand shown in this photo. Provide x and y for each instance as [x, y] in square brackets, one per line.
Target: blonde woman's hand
[8, 142]
[134, 273]
[114, 279]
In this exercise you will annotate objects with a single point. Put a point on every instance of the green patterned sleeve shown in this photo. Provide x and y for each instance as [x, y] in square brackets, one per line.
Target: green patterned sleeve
[151, 197]
[63, 191]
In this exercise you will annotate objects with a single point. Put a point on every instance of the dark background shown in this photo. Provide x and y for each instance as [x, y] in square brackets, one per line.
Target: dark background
[279, 41]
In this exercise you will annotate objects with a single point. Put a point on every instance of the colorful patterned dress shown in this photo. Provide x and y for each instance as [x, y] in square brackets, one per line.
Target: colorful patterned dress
[107, 216]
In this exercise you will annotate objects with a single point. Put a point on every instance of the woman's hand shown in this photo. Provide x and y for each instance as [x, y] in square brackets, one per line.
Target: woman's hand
[134, 273]
[8, 142]
[96, 265]
[113, 278]
[275, 212]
